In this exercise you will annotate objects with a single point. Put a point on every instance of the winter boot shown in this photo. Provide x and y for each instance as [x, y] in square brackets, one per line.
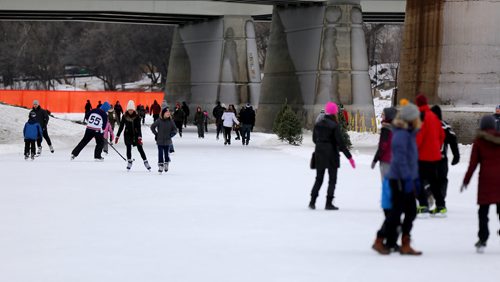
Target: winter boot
[329, 205]
[33, 157]
[146, 164]
[379, 246]
[312, 203]
[129, 164]
[26, 156]
[406, 249]
[160, 167]
[480, 246]
[165, 166]
[51, 149]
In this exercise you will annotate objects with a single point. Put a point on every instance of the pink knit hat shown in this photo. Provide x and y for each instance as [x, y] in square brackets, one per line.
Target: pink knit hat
[331, 108]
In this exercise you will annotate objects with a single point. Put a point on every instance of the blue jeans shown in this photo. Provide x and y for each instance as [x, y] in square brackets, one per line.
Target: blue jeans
[245, 132]
[163, 151]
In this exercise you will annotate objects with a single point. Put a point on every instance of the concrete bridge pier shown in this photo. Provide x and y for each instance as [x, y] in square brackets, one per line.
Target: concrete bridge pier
[316, 53]
[451, 52]
[215, 60]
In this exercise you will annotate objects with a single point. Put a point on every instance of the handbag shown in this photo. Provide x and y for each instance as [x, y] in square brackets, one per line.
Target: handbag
[312, 163]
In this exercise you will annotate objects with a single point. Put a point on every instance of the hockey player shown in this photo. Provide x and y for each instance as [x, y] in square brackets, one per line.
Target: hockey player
[97, 119]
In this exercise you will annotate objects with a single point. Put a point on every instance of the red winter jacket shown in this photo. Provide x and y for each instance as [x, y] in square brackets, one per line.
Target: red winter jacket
[486, 152]
[431, 136]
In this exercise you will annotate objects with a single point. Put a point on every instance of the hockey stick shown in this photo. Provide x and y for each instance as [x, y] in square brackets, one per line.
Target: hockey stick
[111, 145]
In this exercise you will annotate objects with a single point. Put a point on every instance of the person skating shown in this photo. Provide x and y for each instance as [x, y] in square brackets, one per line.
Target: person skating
[118, 112]
[131, 123]
[42, 118]
[451, 141]
[236, 127]
[31, 132]
[328, 143]
[403, 176]
[199, 121]
[430, 139]
[205, 120]
[178, 118]
[247, 119]
[108, 136]
[185, 109]
[217, 112]
[97, 120]
[164, 129]
[112, 117]
[88, 108]
[486, 154]
[228, 121]
[155, 110]
[142, 113]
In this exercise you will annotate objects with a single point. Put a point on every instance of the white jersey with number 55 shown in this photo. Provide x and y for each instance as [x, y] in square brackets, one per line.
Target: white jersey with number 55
[97, 120]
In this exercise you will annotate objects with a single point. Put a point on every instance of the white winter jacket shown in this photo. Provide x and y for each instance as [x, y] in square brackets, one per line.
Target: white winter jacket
[228, 119]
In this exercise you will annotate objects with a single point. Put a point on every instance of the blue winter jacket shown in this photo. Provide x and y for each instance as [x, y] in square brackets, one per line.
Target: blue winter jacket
[32, 130]
[404, 163]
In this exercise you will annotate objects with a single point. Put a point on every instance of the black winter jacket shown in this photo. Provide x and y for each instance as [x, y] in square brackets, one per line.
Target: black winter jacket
[326, 136]
[247, 116]
[41, 117]
[132, 125]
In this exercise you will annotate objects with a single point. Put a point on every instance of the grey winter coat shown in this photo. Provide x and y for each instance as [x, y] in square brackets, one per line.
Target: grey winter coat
[164, 130]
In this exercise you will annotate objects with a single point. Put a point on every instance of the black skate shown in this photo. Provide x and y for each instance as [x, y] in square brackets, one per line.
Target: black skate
[146, 164]
[38, 151]
[165, 166]
[480, 246]
[51, 149]
[160, 168]
[129, 164]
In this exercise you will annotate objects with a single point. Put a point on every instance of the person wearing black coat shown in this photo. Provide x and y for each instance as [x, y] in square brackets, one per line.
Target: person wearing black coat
[450, 140]
[185, 109]
[118, 111]
[217, 112]
[247, 120]
[179, 117]
[131, 122]
[42, 117]
[328, 141]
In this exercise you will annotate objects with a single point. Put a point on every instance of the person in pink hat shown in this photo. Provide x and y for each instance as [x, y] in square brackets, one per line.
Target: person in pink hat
[328, 141]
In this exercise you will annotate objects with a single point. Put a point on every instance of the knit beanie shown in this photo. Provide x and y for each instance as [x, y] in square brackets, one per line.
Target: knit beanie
[498, 107]
[487, 122]
[32, 115]
[331, 108]
[164, 104]
[421, 100]
[390, 113]
[409, 113]
[35, 102]
[131, 105]
[105, 107]
[163, 111]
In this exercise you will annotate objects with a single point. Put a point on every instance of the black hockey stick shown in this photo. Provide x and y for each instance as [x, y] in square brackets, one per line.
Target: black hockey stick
[111, 144]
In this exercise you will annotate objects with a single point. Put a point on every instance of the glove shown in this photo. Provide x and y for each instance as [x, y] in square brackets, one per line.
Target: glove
[116, 139]
[455, 160]
[139, 141]
[463, 187]
[353, 164]
[373, 164]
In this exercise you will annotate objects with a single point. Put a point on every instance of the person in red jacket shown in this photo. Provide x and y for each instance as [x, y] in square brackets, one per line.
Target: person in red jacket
[485, 152]
[430, 140]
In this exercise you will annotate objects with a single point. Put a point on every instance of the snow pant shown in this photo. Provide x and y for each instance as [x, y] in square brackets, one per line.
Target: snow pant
[89, 135]
[332, 181]
[218, 125]
[45, 136]
[401, 203]
[428, 172]
[163, 154]
[29, 147]
[483, 211]
[245, 133]
[155, 117]
[201, 131]
[139, 148]
[227, 134]
[178, 124]
[443, 176]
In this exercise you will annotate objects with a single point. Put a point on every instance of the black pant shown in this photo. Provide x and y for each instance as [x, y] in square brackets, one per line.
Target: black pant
[401, 203]
[201, 131]
[218, 124]
[139, 148]
[332, 182]
[89, 134]
[206, 126]
[227, 134]
[46, 137]
[443, 176]
[185, 121]
[428, 172]
[29, 147]
[483, 211]
[178, 124]
[155, 117]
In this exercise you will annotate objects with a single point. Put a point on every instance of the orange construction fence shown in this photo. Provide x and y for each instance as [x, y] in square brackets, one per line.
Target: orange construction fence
[74, 101]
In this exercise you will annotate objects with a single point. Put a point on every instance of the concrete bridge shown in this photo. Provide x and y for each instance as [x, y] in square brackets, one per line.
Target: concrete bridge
[316, 50]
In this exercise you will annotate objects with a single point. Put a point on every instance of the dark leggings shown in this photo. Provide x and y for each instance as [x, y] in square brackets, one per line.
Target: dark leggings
[332, 181]
[483, 211]
[139, 148]
[46, 137]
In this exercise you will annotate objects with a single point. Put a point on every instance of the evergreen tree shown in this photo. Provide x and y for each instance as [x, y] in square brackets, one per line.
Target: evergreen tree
[344, 128]
[288, 126]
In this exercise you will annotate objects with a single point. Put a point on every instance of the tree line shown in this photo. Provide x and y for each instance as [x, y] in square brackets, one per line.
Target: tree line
[40, 52]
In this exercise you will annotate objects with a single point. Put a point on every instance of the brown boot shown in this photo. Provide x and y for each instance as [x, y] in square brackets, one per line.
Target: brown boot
[379, 247]
[406, 249]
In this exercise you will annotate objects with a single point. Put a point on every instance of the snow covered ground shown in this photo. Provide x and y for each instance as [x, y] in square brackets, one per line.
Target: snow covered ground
[222, 213]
